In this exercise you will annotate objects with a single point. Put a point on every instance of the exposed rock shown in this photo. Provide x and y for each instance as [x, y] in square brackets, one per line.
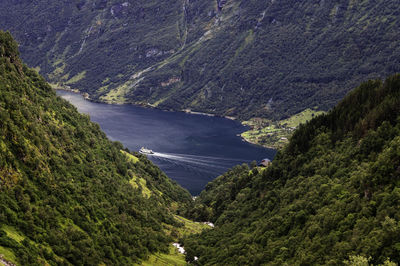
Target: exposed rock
[170, 81]
[5, 262]
[152, 52]
[156, 52]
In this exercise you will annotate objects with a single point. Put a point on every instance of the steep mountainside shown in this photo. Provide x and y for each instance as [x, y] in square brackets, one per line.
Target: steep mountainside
[68, 195]
[231, 57]
[332, 194]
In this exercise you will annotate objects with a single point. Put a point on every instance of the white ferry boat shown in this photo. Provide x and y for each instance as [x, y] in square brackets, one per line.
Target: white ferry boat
[143, 150]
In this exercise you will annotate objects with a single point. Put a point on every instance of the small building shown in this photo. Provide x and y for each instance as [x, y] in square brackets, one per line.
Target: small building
[265, 162]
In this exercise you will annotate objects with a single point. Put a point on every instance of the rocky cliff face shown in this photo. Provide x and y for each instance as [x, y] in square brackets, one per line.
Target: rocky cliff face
[238, 58]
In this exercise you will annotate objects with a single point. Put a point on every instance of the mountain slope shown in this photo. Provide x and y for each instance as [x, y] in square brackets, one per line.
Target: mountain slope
[95, 43]
[68, 195]
[237, 58]
[332, 193]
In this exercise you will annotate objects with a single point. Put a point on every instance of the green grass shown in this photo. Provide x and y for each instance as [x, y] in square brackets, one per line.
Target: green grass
[159, 102]
[137, 182]
[117, 95]
[8, 254]
[266, 133]
[131, 158]
[57, 72]
[58, 62]
[247, 40]
[37, 69]
[300, 118]
[190, 227]
[12, 233]
[275, 134]
[172, 258]
[260, 169]
[107, 80]
[76, 78]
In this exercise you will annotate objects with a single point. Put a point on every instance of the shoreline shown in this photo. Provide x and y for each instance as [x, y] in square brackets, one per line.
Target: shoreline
[86, 96]
[254, 143]
[189, 111]
[57, 87]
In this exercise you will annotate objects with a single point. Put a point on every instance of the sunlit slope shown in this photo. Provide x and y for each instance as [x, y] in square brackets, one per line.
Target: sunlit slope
[68, 195]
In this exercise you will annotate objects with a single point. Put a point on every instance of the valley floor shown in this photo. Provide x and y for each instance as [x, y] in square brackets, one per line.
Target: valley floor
[174, 257]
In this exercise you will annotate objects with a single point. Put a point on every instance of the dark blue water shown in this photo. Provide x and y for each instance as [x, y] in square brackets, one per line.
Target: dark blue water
[191, 149]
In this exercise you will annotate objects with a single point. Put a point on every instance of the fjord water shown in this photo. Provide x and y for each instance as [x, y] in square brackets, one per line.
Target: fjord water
[191, 149]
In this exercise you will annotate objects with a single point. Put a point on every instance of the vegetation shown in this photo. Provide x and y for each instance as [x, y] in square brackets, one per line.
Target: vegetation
[162, 259]
[68, 195]
[268, 59]
[330, 197]
[300, 118]
[275, 134]
[188, 227]
[174, 257]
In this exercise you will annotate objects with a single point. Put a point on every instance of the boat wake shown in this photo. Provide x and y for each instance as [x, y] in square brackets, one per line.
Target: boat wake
[208, 164]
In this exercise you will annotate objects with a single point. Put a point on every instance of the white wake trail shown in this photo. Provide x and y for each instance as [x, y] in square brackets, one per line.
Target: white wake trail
[206, 158]
[193, 160]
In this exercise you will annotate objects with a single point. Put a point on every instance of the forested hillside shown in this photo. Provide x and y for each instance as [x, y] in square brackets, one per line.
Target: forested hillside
[68, 195]
[331, 197]
[236, 57]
